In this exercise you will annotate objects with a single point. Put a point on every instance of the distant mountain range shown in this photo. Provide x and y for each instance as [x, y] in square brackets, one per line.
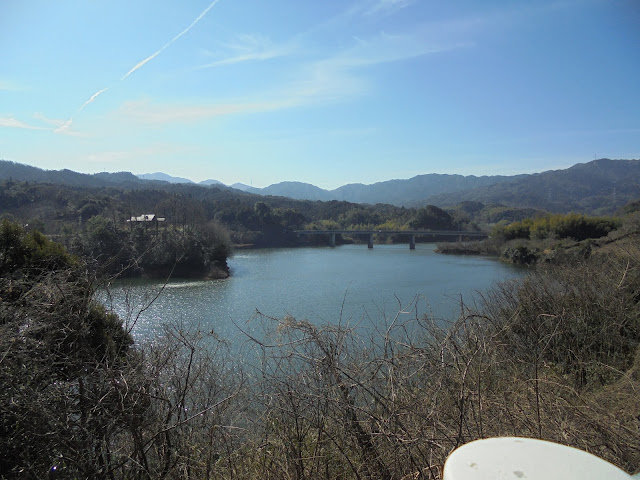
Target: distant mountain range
[599, 186]
[395, 192]
[163, 177]
[410, 192]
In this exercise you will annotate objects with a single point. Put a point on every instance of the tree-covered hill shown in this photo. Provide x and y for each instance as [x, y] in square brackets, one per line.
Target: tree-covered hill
[66, 212]
[26, 173]
[59, 206]
[597, 187]
[409, 192]
[414, 191]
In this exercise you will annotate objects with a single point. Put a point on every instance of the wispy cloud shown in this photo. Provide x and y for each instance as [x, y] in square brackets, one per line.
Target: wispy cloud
[247, 48]
[345, 74]
[154, 55]
[58, 126]
[385, 48]
[386, 6]
[62, 127]
[337, 77]
[11, 122]
[52, 122]
[65, 129]
[362, 10]
[334, 76]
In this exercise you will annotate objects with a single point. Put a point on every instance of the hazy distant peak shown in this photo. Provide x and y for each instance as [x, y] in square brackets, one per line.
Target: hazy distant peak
[210, 181]
[163, 177]
[297, 190]
[246, 188]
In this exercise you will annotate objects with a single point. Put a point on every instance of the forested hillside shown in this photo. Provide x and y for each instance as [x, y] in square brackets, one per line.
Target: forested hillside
[16, 171]
[409, 192]
[189, 231]
[598, 187]
[62, 203]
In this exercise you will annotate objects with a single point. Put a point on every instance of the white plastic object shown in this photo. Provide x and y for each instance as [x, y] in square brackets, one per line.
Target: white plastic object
[515, 458]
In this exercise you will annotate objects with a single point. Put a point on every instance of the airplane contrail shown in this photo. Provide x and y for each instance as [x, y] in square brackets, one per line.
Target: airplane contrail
[66, 126]
[154, 55]
[93, 97]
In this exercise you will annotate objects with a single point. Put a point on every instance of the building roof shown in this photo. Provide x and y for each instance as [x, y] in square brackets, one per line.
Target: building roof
[148, 217]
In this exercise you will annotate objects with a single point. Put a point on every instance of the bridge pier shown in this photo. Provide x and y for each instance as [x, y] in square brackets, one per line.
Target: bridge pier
[459, 235]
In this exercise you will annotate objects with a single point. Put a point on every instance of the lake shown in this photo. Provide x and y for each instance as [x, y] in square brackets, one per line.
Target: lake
[350, 284]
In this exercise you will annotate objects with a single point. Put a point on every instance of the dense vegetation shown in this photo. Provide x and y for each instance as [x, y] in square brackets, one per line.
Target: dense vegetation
[542, 238]
[554, 356]
[60, 353]
[65, 212]
[155, 249]
[573, 225]
[202, 223]
[61, 199]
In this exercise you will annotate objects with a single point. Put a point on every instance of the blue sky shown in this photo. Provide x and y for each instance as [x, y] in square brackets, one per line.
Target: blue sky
[326, 92]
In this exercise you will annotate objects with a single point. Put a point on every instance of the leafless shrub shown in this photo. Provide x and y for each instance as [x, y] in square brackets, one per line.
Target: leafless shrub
[553, 356]
[190, 392]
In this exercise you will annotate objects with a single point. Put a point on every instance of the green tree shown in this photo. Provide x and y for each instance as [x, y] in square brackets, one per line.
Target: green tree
[289, 218]
[431, 217]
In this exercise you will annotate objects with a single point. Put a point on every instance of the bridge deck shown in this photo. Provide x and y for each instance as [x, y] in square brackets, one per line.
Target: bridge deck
[394, 232]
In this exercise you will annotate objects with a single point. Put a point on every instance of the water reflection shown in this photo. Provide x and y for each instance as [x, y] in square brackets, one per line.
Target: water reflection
[351, 284]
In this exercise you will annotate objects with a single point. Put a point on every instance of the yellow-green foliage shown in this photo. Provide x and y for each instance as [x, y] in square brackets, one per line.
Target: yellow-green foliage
[323, 225]
[393, 224]
[361, 226]
[513, 230]
[571, 225]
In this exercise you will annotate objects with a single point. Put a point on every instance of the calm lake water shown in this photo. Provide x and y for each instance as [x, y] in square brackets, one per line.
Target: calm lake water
[350, 283]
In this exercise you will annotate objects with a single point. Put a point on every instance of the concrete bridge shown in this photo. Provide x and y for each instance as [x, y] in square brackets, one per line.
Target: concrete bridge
[412, 234]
